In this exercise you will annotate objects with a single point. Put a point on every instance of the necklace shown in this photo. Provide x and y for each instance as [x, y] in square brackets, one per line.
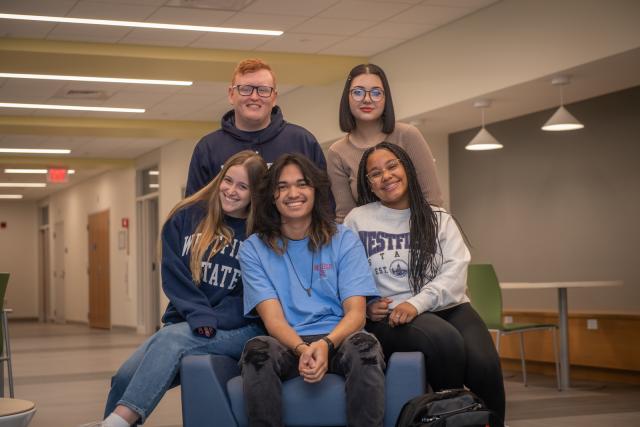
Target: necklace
[295, 271]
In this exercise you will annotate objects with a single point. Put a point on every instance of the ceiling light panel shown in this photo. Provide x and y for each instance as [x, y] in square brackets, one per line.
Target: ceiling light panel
[95, 79]
[35, 151]
[11, 196]
[135, 24]
[34, 171]
[71, 108]
[22, 184]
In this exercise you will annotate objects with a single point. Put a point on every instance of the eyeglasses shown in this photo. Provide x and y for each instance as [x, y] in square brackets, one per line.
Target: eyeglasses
[247, 90]
[358, 93]
[375, 176]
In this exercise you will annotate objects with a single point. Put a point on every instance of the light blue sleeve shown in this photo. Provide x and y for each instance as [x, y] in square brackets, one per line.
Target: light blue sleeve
[354, 275]
[257, 285]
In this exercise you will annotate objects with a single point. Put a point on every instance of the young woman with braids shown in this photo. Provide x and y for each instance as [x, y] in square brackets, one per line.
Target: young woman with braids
[201, 277]
[419, 261]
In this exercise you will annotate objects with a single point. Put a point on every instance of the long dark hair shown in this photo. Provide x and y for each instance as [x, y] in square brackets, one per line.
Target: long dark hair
[423, 224]
[268, 220]
[347, 121]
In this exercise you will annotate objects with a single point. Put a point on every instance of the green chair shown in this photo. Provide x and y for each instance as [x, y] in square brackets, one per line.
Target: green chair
[5, 348]
[486, 298]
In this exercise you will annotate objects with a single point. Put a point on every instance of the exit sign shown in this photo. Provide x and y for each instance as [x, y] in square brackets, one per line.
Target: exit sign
[57, 176]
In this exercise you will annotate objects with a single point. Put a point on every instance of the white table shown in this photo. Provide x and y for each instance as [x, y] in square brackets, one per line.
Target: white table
[563, 314]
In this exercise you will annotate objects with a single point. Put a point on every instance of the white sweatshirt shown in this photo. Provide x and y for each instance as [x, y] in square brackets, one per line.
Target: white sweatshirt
[384, 232]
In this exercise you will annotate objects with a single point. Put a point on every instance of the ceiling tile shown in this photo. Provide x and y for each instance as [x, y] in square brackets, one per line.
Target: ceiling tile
[160, 37]
[216, 90]
[470, 4]
[141, 2]
[210, 113]
[264, 21]
[38, 7]
[230, 41]
[330, 26]
[430, 15]
[179, 105]
[24, 29]
[128, 12]
[290, 7]
[364, 10]
[26, 90]
[136, 99]
[396, 30]
[87, 33]
[189, 16]
[301, 43]
[362, 46]
[61, 113]
[108, 88]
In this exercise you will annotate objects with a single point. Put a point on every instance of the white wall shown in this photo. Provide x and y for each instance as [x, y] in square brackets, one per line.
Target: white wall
[174, 166]
[113, 191]
[508, 43]
[19, 256]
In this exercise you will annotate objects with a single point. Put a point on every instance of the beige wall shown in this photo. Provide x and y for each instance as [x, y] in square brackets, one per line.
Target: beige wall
[113, 191]
[19, 256]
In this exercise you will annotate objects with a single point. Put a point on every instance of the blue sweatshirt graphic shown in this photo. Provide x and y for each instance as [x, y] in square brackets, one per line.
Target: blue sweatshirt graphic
[217, 301]
[271, 142]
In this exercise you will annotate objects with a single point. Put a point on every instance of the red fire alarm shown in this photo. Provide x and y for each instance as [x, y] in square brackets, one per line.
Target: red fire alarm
[125, 222]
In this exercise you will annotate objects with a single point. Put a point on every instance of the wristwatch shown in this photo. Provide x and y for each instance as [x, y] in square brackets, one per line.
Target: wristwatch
[330, 344]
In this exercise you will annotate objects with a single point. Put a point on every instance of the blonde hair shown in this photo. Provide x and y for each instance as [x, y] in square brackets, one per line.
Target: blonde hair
[212, 229]
[252, 65]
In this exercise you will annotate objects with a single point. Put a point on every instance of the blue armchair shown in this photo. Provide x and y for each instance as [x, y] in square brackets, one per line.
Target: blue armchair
[212, 393]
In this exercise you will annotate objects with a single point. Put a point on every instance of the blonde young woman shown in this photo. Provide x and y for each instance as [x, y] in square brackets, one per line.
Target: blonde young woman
[367, 115]
[201, 277]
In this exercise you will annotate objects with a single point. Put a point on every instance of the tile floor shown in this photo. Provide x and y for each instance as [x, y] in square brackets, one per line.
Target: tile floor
[65, 370]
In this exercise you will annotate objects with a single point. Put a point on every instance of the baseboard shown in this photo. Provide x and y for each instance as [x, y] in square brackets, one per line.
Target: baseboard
[21, 319]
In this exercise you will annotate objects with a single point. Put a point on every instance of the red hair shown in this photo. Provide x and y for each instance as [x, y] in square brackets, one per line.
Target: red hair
[251, 66]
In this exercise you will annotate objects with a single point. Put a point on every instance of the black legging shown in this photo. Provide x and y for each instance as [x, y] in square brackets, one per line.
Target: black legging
[457, 347]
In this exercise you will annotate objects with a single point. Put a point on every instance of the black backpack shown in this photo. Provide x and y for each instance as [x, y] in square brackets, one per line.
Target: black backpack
[450, 408]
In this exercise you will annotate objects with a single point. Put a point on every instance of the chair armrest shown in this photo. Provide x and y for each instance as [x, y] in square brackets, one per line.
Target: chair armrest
[405, 379]
[204, 390]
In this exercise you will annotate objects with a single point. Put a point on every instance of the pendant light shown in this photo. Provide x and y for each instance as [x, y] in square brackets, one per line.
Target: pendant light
[483, 140]
[561, 119]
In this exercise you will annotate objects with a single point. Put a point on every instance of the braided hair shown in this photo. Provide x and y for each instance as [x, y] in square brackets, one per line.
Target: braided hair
[423, 224]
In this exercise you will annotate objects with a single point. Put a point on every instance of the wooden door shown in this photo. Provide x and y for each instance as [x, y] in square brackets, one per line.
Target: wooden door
[99, 287]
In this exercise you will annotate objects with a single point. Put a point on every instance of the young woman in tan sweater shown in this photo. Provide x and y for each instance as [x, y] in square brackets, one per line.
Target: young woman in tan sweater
[366, 114]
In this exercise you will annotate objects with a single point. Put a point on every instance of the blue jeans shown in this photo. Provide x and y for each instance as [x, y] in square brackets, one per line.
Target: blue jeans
[145, 377]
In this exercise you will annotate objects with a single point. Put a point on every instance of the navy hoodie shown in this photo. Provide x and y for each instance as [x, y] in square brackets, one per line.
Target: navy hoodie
[276, 139]
[217, 301]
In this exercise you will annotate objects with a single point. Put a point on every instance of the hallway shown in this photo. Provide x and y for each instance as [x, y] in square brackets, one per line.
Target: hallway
[66, 369]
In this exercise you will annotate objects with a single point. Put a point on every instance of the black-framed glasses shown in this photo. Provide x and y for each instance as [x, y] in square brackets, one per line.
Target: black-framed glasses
[375, 176]
[358, 93]
[247, 90]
